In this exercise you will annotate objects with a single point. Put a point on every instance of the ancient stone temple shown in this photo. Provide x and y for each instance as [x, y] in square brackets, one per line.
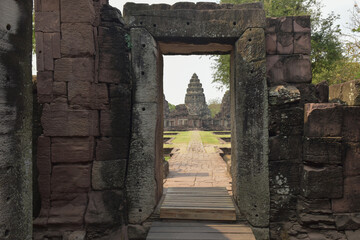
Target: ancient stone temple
[194, 114]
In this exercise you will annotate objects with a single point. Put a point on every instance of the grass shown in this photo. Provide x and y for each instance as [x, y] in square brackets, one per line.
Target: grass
[167, 158]
[209, 138]
[224, 136]
[182, 138]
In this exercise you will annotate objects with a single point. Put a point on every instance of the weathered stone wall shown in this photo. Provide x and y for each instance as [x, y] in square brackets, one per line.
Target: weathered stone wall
[100, 110]
[330, 177]
[84, 86]
[289, 81]
[15, 120]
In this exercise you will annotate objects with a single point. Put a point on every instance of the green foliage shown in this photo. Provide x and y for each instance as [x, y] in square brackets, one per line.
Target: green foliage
[221, 71]
[171, 107]
[327, 50]
[214, 106]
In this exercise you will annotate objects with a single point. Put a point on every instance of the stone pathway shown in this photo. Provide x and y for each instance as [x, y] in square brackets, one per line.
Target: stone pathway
[197, 167]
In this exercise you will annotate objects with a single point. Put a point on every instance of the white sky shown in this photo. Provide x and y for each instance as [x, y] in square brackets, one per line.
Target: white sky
[179, 69]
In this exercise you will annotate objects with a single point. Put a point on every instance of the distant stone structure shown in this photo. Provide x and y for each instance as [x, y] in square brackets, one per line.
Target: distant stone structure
[222, 120]
[194, 114]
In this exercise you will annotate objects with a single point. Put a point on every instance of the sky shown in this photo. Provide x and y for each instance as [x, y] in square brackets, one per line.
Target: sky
[179, 69]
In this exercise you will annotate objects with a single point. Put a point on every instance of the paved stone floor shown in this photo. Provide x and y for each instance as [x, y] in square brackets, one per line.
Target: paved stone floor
[197, 166]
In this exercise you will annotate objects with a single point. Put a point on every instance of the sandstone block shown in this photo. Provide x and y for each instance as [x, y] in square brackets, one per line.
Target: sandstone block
[107, 175]
[272, 24]
[72, 150]
[285, 148]
[302, 43]
[350, 221]
[322, 91]
[64, 123]
[59, 89]
[284, 180]
[43, 155]
[317, 221]
[80, 11]
[323, 120]
[270, 42]
[44, 86]
[105, 207]
[48, 54]
[68, 209]
[80, 93]
[47, 5]
[115, 122]
[185, 23]
[251, 45]
[112, 42]
[74, 69]
[285, 43]
[302, 24]
[352, 235]
[325, 182]
[286, 24]
[308, 93]
[322, 150]
[47, 22]
[113, 148]
[70, 178]
[348, 92]
[352, 159]
[318, 206]
[350, 201]
[281, 94]
[77, 40]
[276, 24]
[351, 126]
[290, 69]
[39, 38]
[285, 122]
[44, 188]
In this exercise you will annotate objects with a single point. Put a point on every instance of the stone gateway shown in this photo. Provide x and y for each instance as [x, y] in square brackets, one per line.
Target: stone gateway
[97, 170]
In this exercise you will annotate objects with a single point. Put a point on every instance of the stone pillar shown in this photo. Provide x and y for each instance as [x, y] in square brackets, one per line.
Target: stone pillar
[144, 179]
[250, 172]
[15, 120]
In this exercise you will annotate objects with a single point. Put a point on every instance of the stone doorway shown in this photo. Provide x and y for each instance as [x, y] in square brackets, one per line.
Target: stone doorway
[203, 28]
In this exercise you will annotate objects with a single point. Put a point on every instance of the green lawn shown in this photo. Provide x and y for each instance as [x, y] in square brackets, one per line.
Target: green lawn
[182, 138]
[209, 138]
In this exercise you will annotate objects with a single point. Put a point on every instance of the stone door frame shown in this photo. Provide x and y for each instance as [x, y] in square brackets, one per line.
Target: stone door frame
[205, 29]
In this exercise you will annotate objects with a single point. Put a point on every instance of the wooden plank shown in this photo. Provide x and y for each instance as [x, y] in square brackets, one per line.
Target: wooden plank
[195, 224]
[201, 236]
[198, 203]
[203, 229]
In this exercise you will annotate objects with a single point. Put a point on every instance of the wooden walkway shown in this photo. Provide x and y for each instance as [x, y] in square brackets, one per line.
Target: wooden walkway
[188, 206]
[199, 231]
[209, 203]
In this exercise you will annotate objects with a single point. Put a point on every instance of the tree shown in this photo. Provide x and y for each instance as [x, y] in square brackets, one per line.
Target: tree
[326, 49]
[214, 106]
[346, 68]
[171, 107]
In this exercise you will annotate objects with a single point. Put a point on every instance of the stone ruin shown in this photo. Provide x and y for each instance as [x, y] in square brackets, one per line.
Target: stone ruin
[98, 154]
[194, 114]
